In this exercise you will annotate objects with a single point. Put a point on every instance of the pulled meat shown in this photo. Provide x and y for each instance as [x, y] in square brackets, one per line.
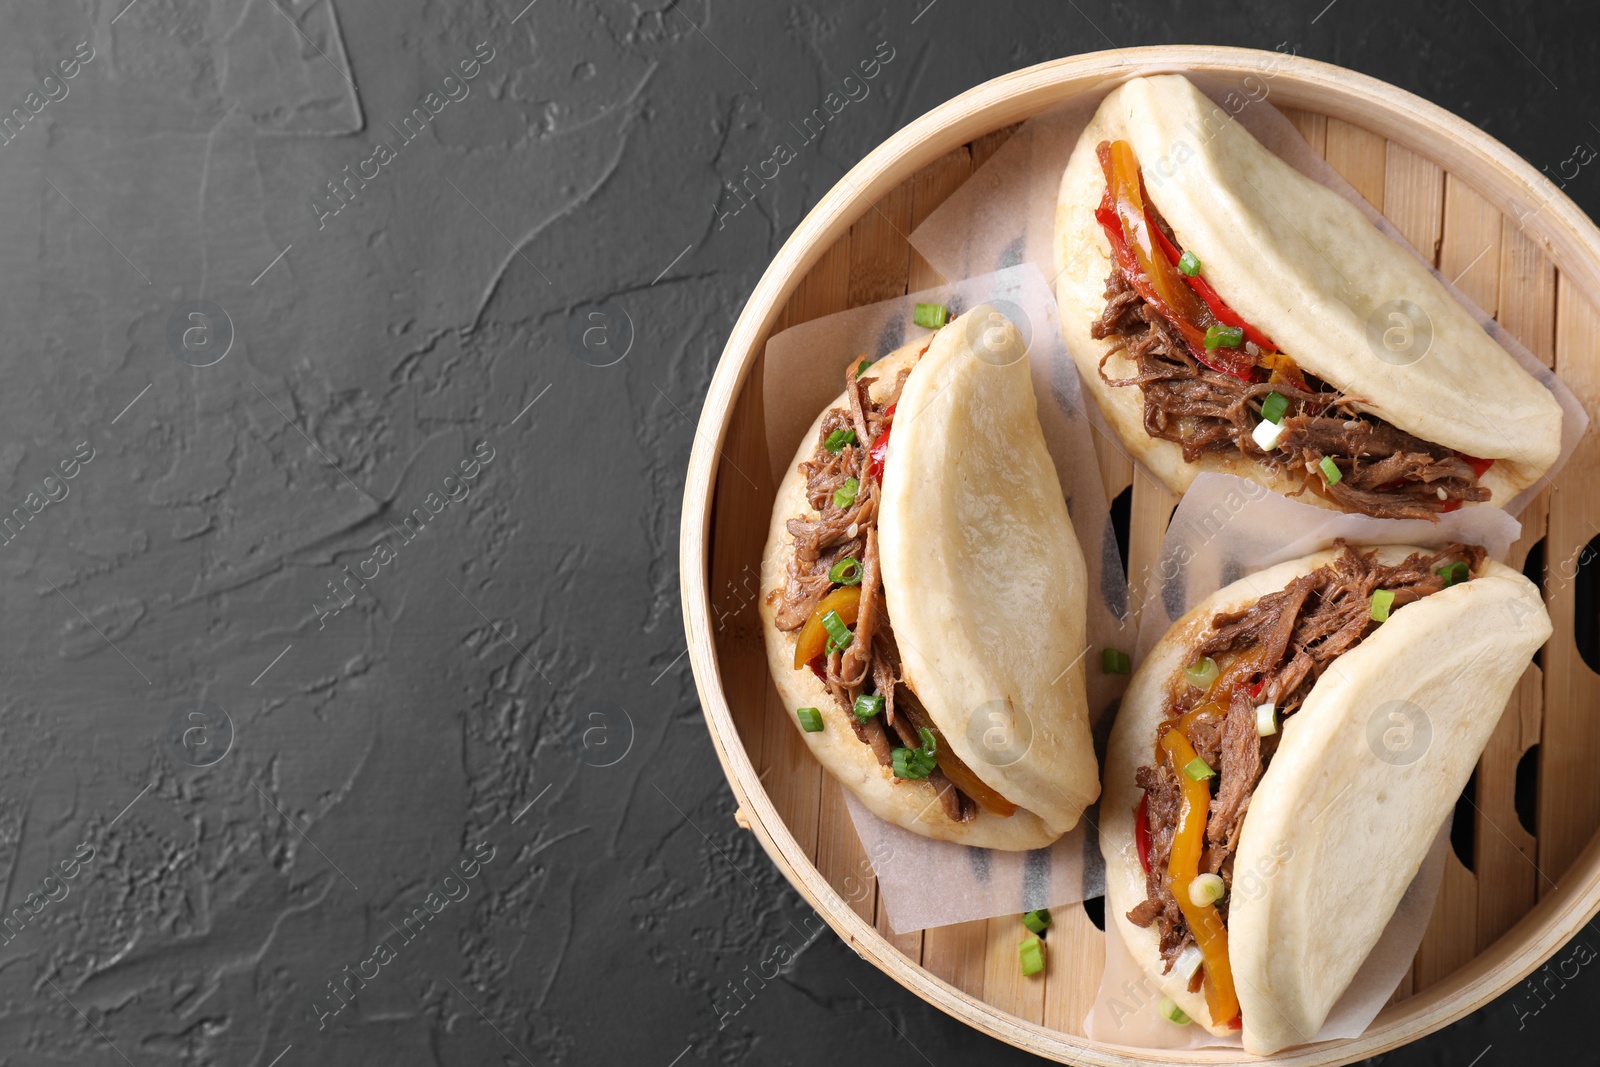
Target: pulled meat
[1385, 471]
[1291, 636]
[871, 662]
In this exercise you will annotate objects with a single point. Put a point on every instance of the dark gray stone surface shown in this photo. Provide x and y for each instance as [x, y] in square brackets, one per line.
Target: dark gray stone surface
[261, 721]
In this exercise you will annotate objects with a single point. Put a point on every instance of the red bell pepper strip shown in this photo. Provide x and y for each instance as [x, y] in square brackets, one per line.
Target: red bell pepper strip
[1127, 224]
[1218, 306]
[880, 447]
[1141, 831]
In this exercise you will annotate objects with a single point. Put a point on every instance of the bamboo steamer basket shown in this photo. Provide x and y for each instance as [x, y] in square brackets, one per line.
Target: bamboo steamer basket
[1504, 233]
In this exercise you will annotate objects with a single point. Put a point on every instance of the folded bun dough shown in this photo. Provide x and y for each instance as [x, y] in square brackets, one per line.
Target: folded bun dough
[1303, 265]
[1344, 814]
[985, 588]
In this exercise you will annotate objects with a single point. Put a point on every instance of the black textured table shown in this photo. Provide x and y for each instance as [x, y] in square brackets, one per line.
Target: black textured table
[354, 351]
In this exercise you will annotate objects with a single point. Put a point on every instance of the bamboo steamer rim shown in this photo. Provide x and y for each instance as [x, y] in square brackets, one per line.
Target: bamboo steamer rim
[1564, 234]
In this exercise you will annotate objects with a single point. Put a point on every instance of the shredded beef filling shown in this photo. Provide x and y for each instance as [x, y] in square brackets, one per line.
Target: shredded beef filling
[1385, 471]
[1292, 635]
[871, 662]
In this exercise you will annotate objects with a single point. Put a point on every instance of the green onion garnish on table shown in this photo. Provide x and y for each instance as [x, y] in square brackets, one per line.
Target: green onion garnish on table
[1037, 921]
[1031, 953]
[1115, 661]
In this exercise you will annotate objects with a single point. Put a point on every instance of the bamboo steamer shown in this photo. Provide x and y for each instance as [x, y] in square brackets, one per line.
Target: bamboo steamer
[1505, 234]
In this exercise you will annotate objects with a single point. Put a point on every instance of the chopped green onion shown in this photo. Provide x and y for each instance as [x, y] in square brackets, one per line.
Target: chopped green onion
[847, 571]
[1206, 889]
[1198, 770]
[810, 719]
[1273, 407]
[1031, 952]
[836, 440]
[863, 365]
[1115, 661]
[1201, 675]
[1224, 336]
[839, 635]
[916, 762]
[1189, 263]
[1454, 573]
[1266, 720]
[1172, 1013]
[1382, 600]
[845, 495]
[868, 705]
[932, 316]
[1330, 470]
[1188, 962]
[1037, 921]
[1266, 434]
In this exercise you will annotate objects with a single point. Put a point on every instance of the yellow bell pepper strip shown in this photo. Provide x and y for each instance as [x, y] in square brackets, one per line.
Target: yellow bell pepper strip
[813, 639]
[1188, 842]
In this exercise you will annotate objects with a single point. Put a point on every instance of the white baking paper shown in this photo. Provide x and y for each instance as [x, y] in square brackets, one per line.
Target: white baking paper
[1227, 528]
[928, 883]
[1005, 214]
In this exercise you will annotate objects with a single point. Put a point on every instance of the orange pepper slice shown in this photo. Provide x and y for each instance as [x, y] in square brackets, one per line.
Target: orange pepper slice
[1184, 865]
[813, 639]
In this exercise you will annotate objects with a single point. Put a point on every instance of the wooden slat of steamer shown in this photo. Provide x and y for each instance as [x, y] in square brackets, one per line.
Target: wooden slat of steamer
[880, 248]
[1469, 254]
[1413, 197]
[1312, 126]
[1507, 853]
[840, 857]
[1569, 789]
[739, 538]
[930, 188]
[1075, 958]
[1358, 154]
[1004, 984]
[789, 773]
